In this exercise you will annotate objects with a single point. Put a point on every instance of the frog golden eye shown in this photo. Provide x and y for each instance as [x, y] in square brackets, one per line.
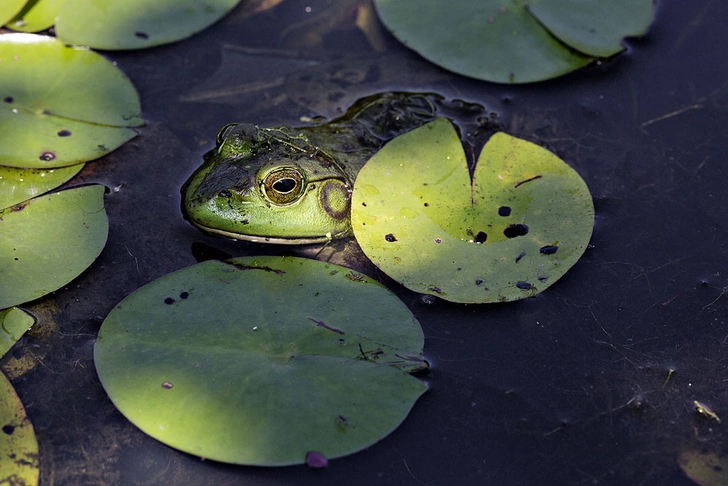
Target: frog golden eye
[224, 132]
[283, 186]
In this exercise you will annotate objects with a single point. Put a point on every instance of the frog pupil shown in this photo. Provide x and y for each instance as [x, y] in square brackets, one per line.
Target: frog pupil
[285, 185]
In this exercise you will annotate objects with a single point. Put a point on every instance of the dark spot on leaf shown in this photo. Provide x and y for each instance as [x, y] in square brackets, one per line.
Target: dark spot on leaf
[518, 258]
[184, 295]
[427, 205]
[8, 99]
[316, 459]
[438, 240]
[543, 278]
[8, 429]
[479, 282]
[167, 385]
[141, 35]
[242, 266]
[169, 301]
[326, 326]
[46, 156]
[64, 133]
[549, 249]
[432, 288]
[504, 211]
[514, 230]
[481, 237]
[390, 238]
[528, 180]
[364, 204]
[524, 285]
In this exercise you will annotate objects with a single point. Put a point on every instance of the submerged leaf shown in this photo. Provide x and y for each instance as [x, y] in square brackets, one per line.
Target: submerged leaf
[136, 24]
[509, 41]
[18, 445]
[77, 110]
[521, 223]
[262, 360]
[48, 241]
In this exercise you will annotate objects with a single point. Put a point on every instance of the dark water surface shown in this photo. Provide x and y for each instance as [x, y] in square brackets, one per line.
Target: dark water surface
[591, 382]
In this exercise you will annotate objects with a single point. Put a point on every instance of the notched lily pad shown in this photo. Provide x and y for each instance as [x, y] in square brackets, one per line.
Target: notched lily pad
[521, 223]
[262, 360]
[18, 445]
[13, 324]
[48, 241]
[53, 114]
[511, 41]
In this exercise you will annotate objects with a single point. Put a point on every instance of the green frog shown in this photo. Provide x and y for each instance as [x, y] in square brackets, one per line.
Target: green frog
[293, 185]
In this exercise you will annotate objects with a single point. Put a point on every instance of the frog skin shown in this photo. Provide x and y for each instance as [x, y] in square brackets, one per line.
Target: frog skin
[293, 185]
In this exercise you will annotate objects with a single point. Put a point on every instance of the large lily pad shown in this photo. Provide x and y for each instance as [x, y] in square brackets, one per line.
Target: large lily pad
[13, 324]
[77, 110]
[48, 241]
[262, 360]
[521, 223]
[18, 185]
[18, 446]
[135, 24]
[511, 41]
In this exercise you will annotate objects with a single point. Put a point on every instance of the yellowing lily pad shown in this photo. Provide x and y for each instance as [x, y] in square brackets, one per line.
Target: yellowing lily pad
[262, 361]
[13, 324]
[524, 219]
[136, 24]
[48, 241]
[61, 105]
[510, 41]
[18, 446]
[18, 185]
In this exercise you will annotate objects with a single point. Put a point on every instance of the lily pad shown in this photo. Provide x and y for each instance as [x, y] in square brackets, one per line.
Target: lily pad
[706, 468]
[18, 446]
[262, 360]
[48, 241]
[136, 24]
[510, 41]
[524, 219]
[13, 324]
[36, 16]
[18, 185]
[10, 9]
[61, 118]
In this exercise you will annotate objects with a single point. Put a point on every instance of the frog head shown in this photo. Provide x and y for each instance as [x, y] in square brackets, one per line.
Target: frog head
[264, 184]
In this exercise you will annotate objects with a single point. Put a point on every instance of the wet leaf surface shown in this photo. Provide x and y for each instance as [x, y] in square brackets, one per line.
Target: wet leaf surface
[208, 361]
[509, 42]
[525, 219]
[18, 445]
[18, 185]
[60, 118]
[48, 241]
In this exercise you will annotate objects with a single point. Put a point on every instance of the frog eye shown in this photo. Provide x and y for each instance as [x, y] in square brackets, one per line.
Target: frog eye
[224, 132]
[283, 186]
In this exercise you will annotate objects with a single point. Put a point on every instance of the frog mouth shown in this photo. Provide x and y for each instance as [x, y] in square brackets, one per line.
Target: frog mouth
[307, 240]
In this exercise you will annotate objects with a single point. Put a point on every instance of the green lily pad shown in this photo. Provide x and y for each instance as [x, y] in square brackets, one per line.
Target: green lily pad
[48, 241]
[262, 360]
[136, 24]
[60, 118]
[706, 468]
[18, 185]
[18, 446]
[13, 324]
[510, 41]
[36, 16]
[10, 9]
[521, 223]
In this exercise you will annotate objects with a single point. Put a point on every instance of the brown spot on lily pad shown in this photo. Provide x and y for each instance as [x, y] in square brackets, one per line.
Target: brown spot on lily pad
[390, 237]
[47, 156]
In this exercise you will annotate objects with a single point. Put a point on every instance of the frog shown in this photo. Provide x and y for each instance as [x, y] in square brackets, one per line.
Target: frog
[293, 185]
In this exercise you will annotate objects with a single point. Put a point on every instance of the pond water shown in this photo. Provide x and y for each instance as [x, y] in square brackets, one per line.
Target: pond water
[591, 382]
